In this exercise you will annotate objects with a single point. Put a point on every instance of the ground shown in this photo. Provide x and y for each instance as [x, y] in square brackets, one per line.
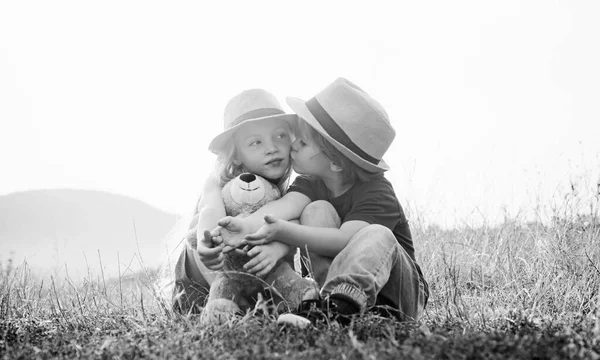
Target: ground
[518, 290]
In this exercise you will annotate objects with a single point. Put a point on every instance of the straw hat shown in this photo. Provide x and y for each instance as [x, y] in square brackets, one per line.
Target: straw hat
[351, 120]
[248, 106]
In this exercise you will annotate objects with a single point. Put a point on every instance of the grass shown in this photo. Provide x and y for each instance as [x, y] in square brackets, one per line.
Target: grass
[517, 290]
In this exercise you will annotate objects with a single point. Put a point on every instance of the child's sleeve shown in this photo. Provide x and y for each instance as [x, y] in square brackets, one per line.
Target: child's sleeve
[376, 203]
[304, 185]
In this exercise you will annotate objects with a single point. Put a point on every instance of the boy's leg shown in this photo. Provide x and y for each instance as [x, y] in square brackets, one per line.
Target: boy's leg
[319, 214]
[191, 288]
[374, 264]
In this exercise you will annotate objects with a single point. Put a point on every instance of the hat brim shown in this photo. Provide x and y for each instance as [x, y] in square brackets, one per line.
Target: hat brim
[299, 107]
[218, 143]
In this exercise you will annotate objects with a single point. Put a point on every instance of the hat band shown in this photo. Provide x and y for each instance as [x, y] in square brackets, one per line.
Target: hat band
[255, 114]
[335, 131]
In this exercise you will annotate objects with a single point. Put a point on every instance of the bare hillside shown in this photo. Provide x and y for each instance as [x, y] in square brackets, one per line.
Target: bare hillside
[73, 229]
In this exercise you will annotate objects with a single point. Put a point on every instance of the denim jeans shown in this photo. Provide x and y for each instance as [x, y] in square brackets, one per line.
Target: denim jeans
[373, 269]
[190, 291]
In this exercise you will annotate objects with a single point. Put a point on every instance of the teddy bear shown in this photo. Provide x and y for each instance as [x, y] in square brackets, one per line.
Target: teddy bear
[233, 290]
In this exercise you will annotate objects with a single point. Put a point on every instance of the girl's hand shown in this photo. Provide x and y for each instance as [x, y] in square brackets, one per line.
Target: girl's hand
[210, 253]
[265, 257]
[265, 234]
[230, 233]
[191, 238]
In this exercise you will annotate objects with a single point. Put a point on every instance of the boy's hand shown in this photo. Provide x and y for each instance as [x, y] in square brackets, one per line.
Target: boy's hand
[264, 258]
[265, 234]
[210, 253]
[230, 233]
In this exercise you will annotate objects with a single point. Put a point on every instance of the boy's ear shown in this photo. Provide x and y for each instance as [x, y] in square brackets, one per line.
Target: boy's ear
[334, 167]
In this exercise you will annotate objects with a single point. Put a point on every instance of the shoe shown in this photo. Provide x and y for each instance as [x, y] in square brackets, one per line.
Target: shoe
[335, 307]
[312, 310]
[341, 308]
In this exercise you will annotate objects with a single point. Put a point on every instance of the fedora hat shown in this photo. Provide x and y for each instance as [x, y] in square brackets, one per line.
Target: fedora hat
[248, 106]
[351, 120]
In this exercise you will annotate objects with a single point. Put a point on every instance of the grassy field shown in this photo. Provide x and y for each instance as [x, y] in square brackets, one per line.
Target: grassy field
[517, 290]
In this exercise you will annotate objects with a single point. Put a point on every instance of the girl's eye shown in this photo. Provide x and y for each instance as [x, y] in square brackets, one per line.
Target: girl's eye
[255, 143]
[281, 136]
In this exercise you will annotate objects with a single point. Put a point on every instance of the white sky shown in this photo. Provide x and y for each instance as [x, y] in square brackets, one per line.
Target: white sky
[495, 104]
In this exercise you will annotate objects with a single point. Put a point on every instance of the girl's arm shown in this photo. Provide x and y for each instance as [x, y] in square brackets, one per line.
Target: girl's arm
[210, 209]
[323, 241]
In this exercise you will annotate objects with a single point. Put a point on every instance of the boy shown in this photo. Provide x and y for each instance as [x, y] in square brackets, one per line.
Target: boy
[368, 260]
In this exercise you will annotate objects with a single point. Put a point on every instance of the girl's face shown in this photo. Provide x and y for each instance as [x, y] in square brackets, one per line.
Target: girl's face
[263, 147]
[307, 157]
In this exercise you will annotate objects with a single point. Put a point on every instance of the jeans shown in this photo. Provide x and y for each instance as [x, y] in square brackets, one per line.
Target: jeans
[373, 269]
[189, 291]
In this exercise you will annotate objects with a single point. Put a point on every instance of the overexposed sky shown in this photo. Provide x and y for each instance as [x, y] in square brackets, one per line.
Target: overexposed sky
[496, 104]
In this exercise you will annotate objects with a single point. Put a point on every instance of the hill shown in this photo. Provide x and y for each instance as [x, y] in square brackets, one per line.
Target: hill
[78, 230]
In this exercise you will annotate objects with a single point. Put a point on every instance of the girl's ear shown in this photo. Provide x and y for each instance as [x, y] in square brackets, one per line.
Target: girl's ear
[237, 162]
[334, 167]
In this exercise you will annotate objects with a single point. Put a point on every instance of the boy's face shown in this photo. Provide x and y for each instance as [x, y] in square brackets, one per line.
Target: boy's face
[264, 147]
[307, 157]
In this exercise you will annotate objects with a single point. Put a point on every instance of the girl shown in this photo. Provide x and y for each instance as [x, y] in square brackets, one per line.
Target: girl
[256, 139]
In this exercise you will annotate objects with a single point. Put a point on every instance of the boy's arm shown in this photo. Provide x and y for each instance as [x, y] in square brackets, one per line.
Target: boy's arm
[323, 241]
[233, 229]
[289, 207]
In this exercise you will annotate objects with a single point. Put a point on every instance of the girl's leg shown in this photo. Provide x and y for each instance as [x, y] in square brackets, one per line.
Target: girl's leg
[319, 214]
[191, 288]
[374, 269]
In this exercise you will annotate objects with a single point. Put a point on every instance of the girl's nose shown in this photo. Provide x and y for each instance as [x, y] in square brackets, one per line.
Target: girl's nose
[295, 146]
[270, 147]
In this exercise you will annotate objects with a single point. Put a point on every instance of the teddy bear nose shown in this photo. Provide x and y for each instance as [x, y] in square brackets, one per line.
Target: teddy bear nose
[248, 177]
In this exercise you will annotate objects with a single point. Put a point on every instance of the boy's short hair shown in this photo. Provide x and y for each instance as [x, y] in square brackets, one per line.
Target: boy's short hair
[351, 172]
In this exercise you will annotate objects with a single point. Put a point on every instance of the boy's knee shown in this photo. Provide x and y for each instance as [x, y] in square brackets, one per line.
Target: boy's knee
[375, 232]
[379, 230]
[320, 213]
[317, 208]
